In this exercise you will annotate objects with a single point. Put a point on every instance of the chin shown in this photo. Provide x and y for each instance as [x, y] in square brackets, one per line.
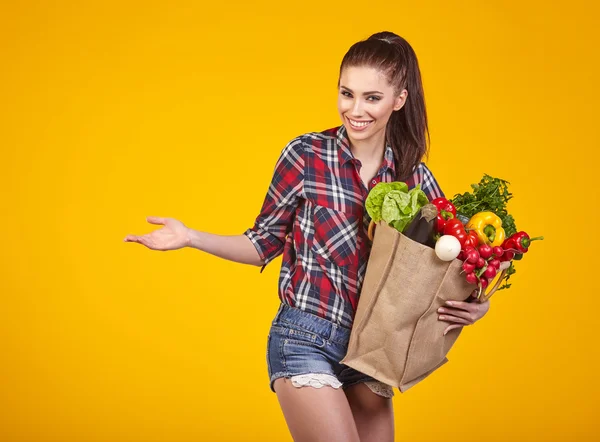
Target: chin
[361, 135]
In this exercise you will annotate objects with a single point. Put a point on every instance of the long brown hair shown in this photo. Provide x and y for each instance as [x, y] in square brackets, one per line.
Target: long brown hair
[406, 131]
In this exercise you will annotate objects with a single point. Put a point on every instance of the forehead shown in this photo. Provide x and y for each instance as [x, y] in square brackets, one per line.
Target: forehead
[363, 78]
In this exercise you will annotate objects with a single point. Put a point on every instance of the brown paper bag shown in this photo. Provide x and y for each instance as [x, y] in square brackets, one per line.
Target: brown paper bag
[396, 336]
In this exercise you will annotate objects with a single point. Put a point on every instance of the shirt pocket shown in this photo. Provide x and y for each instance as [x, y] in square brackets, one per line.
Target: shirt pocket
[335, 235]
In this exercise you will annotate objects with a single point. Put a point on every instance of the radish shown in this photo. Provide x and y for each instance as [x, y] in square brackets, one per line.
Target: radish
[471, 278]
[490, 272]
[494, 263]
[497, 251]
[447, 247]
[480, 263]
[468, 267]
[484, 282]
[472, 256]
[485, 251]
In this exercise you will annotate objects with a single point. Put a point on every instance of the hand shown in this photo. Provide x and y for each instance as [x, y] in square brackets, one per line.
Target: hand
[173, 236]
[462, 313]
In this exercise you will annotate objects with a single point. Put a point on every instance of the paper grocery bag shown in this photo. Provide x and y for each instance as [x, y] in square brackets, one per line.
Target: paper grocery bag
[396, 336]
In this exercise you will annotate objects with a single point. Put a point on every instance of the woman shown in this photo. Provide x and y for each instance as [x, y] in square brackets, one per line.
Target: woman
[314, 214]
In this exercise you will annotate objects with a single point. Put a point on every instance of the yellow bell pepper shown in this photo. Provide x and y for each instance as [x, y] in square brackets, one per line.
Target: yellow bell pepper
[488, 227]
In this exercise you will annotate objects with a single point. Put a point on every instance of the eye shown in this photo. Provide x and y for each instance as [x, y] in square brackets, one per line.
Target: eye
[375, 97]
[346, 94]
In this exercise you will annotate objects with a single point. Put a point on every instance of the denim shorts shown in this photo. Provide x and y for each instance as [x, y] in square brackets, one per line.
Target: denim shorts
[301, 345]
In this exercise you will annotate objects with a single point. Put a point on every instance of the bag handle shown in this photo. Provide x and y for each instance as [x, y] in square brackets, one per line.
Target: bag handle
[371, 230]
[481, 297]
[488, 295]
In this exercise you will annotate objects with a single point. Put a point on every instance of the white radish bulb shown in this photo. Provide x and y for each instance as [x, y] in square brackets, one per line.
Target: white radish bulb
[447, 248]
[504, 265]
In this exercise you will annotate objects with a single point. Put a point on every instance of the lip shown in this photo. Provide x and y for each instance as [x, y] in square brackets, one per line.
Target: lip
[359, 129]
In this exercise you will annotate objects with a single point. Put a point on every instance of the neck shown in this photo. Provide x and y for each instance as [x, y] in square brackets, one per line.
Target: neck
[370, 150]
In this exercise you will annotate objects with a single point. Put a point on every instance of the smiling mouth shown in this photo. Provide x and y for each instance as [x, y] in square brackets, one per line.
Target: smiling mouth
[359, 124]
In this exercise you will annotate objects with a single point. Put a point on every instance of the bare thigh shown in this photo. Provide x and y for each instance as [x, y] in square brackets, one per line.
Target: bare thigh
[373, 414]
[316, 414]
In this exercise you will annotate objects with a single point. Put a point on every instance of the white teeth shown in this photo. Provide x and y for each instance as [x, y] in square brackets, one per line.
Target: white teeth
[359, 123]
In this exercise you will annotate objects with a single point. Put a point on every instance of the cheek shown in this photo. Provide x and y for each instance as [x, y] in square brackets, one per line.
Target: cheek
[382, 112]
[342, 105]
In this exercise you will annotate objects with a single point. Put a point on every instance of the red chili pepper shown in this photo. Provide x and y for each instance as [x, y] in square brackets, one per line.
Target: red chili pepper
[510, 248]
[455, 228]
[446, 211]
[522, 241]
[472, 239]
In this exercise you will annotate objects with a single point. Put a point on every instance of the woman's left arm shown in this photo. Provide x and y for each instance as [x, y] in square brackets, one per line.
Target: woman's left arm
[459, 313]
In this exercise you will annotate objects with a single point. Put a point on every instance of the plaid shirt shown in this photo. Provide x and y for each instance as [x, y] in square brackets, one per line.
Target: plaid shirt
[314, 212]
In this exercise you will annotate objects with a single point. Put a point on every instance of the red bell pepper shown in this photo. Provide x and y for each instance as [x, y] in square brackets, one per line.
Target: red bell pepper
[446, 211]
[455, 228]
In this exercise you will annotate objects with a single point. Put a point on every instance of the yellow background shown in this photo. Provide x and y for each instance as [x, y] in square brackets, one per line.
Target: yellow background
[113, 111]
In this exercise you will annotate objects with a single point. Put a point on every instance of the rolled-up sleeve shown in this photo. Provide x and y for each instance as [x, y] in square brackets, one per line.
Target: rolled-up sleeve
[276, 217]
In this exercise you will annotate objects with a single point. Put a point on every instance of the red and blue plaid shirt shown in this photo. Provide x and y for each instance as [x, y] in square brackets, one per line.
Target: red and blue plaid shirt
[314, 212]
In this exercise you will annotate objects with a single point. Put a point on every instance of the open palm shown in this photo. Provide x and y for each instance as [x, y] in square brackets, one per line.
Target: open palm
[173, 236]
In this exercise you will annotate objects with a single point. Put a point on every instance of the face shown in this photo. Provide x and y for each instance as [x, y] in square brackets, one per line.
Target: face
[366, 101]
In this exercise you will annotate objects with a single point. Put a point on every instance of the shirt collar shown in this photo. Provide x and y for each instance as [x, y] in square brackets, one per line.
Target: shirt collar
[345, 154]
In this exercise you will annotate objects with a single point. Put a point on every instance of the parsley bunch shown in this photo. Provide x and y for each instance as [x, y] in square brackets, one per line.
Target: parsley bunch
[490, 194]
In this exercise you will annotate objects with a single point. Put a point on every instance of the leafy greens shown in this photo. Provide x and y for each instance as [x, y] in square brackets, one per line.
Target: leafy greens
[395, 204]
[490, 194]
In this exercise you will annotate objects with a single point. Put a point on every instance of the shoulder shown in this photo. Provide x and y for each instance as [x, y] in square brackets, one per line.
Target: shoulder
[311, 142]
[325, 135]
[424, 176]
[423, 171]
[298, 152]
[318, 142]
[294, 150]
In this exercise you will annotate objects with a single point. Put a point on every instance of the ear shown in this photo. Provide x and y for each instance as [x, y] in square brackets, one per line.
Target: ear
[400, 100]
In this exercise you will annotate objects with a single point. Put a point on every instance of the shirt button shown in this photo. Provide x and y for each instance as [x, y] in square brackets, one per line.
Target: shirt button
[374, 181]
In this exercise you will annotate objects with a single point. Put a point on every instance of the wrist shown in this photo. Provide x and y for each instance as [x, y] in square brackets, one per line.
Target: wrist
[191, 238]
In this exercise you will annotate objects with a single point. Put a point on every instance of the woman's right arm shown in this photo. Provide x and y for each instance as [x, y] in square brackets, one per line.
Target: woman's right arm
[175, 235]
[259, 244]
[237, 248]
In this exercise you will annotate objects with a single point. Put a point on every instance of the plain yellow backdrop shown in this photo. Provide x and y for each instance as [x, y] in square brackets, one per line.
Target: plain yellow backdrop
[113, 111]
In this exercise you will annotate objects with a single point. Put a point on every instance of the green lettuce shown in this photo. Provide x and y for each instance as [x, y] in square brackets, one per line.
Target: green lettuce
[395, 204]
[375, 198]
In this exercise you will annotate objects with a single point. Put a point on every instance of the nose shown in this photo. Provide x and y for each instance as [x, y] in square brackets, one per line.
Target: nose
[357, 108]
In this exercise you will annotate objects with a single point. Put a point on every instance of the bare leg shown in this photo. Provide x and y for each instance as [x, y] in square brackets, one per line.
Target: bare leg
[316, 414]
[373, 414]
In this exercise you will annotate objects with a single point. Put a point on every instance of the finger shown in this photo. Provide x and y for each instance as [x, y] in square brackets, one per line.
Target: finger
[138, 239]
[155, 220]
[145, 240]
[455, 319]
[451, 327]
[467, 306]
[451, 312]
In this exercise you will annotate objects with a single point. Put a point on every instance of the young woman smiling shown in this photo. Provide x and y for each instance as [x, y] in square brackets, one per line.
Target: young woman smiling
[314, 214]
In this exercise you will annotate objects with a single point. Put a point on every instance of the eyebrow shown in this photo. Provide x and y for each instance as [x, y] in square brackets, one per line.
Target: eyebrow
[365, 93]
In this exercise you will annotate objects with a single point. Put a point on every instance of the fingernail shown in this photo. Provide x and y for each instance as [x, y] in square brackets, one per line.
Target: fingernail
[449, 303]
